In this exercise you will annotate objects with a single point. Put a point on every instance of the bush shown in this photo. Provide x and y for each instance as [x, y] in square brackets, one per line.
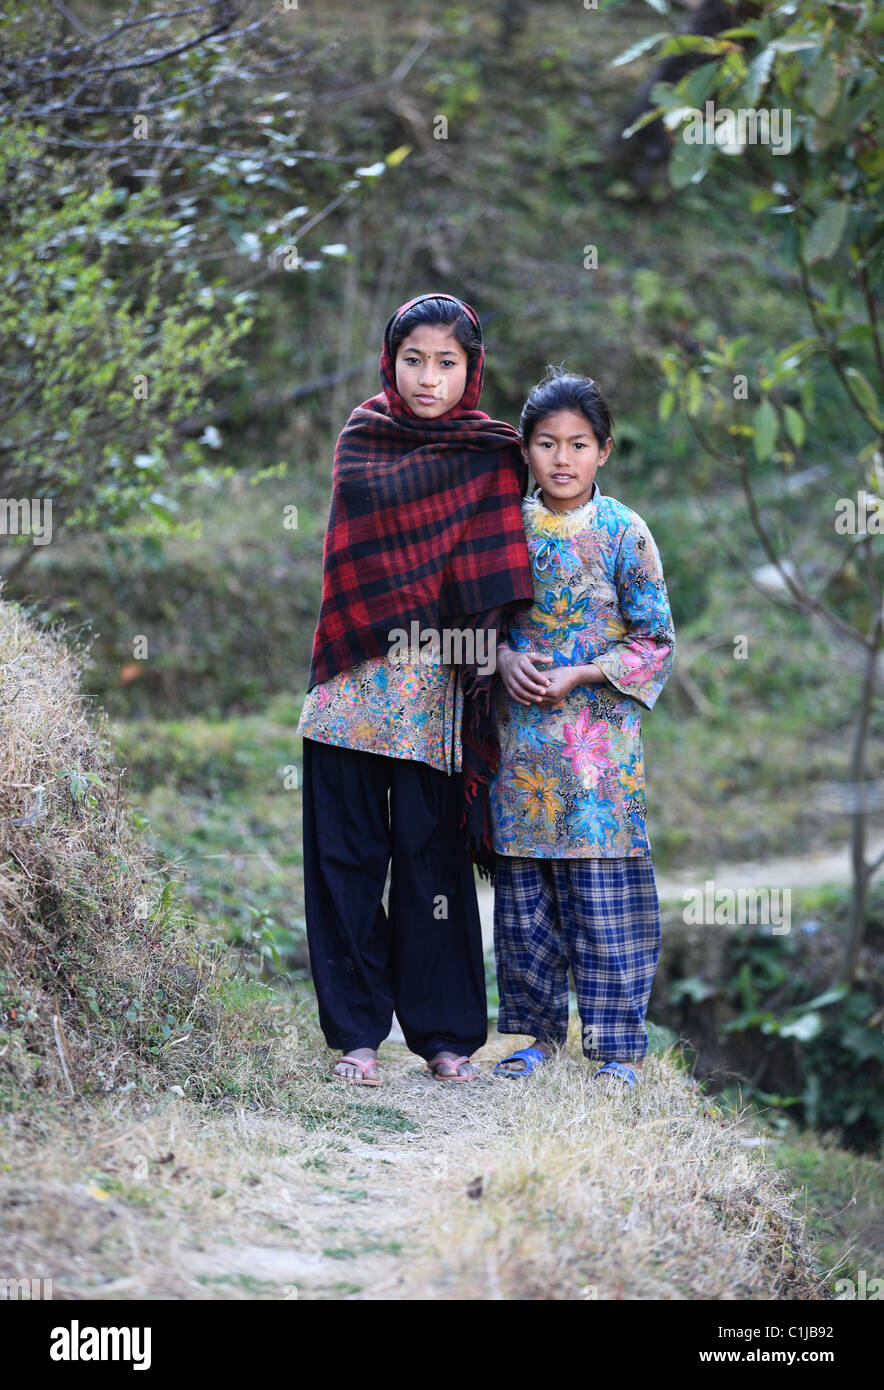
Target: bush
[762, 1006]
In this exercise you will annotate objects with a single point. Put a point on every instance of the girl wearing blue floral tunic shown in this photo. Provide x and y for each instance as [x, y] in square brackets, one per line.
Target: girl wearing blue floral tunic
[574, 882]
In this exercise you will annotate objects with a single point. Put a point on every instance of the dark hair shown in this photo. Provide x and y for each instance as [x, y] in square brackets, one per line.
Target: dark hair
[444, 312]
[560, 390]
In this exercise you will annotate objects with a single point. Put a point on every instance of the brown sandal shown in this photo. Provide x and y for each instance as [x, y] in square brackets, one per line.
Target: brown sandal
[363, 1067]
[453, 1063]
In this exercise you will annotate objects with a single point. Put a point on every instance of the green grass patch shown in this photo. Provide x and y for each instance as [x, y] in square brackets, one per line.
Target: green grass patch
[845, 1202]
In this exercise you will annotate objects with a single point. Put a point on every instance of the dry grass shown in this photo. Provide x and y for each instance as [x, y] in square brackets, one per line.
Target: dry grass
[103, 982]
[350, 1193]
[596, 1192]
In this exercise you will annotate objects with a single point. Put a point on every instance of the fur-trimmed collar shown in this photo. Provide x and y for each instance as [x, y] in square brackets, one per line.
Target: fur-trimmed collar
[545, 522]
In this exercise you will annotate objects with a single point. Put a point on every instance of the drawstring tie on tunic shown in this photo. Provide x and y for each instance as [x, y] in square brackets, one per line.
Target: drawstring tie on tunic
[552, 551]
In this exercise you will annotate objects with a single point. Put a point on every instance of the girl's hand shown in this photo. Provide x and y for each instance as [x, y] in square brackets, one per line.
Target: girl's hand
[561, 682]
[566, 678]
[523, 682]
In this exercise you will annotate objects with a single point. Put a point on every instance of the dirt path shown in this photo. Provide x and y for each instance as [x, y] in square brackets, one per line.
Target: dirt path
[557, 1188]
[790, 871]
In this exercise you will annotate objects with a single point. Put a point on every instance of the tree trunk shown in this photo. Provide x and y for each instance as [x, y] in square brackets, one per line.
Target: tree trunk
[862, 870]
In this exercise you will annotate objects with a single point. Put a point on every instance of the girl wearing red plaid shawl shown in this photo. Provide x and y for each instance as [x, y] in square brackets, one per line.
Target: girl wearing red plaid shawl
[424, 538]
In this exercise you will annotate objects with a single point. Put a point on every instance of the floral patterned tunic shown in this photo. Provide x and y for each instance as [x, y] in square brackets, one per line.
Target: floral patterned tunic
[402, 709]
[571, 778]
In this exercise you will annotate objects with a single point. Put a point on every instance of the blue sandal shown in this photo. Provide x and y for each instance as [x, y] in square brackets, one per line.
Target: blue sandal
[531, 1056]
[617, 1069]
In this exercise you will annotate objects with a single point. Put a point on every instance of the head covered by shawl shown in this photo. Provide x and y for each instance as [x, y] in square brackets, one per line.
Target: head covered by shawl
[425, 526]
[467, 406]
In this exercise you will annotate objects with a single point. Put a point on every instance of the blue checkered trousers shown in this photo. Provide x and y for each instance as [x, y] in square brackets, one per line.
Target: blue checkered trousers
[599, 916]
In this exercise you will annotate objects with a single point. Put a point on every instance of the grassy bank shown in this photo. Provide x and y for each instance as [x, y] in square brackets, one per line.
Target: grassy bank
[556, 1190]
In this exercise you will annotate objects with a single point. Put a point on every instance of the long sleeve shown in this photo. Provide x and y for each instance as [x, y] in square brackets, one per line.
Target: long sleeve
[639, 663]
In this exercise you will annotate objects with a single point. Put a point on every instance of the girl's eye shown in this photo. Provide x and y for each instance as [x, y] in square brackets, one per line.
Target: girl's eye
[449, 362]
[578, 445]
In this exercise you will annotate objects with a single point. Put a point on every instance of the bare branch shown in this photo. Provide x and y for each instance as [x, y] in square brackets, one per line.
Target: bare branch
[263, 402]
[832, 350]
[804, 600]
[152, 59]
[798, 591]
[873, 320]
[131, 143]
[71, 18]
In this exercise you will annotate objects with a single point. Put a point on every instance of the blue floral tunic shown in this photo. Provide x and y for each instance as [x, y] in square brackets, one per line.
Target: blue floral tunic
[571, 778]
[398, 708]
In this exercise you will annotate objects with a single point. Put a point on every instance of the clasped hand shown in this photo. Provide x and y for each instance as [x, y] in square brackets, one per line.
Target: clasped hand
[528, 686]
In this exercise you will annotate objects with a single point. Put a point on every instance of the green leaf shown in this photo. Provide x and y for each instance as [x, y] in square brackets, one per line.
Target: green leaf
[857, 335]
[872, 162]
[805, 1028]
[793, 45]
[694, 386]
[161, 510]
[794, 425]
[829, 996]
[789, 74]
[663, 94]
[660, 1037]
[865, 1043]
[826, 233]
[666, 405]
[699, 84]
[693, 43]
[824, 86]
[693, 988]
[637, 49]
[733, 71]
[757, 74]
[752, 1018]
[670, 368]
[795, 350]
[688, 163]
[863, 390]
[643, 120]
[765, 423]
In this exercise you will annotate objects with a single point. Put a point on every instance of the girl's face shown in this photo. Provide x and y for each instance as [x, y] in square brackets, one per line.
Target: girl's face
[564, 456]
[431, 370]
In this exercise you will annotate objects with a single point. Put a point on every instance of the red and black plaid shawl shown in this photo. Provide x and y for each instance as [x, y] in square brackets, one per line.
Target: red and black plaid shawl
[425, 525]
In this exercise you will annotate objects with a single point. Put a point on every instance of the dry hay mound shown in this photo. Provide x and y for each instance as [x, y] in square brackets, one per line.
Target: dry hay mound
[104, 984]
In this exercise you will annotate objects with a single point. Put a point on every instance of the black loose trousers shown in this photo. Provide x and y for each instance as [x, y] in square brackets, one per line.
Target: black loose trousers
[422, 957]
